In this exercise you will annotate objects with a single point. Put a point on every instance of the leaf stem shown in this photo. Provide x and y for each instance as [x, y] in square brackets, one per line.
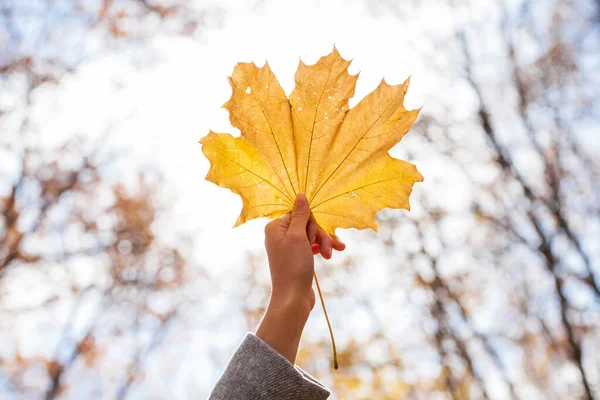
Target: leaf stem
[335, 359]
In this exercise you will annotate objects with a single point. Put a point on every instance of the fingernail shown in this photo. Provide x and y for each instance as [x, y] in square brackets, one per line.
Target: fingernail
[301, 200]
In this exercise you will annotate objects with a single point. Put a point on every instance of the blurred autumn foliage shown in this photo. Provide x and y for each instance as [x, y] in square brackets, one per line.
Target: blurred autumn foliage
[78, 245]
[493, 293]
[488, 289]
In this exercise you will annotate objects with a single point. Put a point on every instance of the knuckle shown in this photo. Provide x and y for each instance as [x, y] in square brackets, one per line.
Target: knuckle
[269, 227]
[325, 238]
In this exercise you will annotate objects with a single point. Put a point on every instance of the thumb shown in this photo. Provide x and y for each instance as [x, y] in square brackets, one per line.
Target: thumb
[300, 214]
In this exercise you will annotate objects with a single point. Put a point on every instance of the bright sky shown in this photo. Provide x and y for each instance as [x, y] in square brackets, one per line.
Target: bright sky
[161, 110]
[168, 106]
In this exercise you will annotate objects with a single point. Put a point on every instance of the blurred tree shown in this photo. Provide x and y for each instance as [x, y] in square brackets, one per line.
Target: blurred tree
[490, 287]
[81, 263]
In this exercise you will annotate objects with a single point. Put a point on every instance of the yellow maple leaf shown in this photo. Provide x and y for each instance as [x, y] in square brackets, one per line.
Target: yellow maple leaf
[312, 143]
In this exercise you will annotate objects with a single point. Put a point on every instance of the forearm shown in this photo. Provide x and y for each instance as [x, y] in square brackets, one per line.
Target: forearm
[282, 325]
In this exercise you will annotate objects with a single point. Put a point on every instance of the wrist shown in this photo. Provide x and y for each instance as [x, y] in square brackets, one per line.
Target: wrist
[292, 303]
[283, 323]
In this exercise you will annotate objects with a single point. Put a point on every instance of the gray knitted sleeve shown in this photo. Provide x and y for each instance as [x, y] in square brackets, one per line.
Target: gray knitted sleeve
[256, 372]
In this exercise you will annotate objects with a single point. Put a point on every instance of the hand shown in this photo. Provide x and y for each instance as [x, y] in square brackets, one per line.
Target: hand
[291, 242]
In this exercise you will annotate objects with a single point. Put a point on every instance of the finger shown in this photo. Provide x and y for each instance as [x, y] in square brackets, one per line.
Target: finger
[300, 215]
[325, 242]
[316, 249]
[279, 226]
[312, 230]
[338, 244]
[283, 221]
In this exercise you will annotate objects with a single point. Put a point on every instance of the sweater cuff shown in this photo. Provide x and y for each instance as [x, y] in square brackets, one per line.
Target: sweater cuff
[258, 371]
